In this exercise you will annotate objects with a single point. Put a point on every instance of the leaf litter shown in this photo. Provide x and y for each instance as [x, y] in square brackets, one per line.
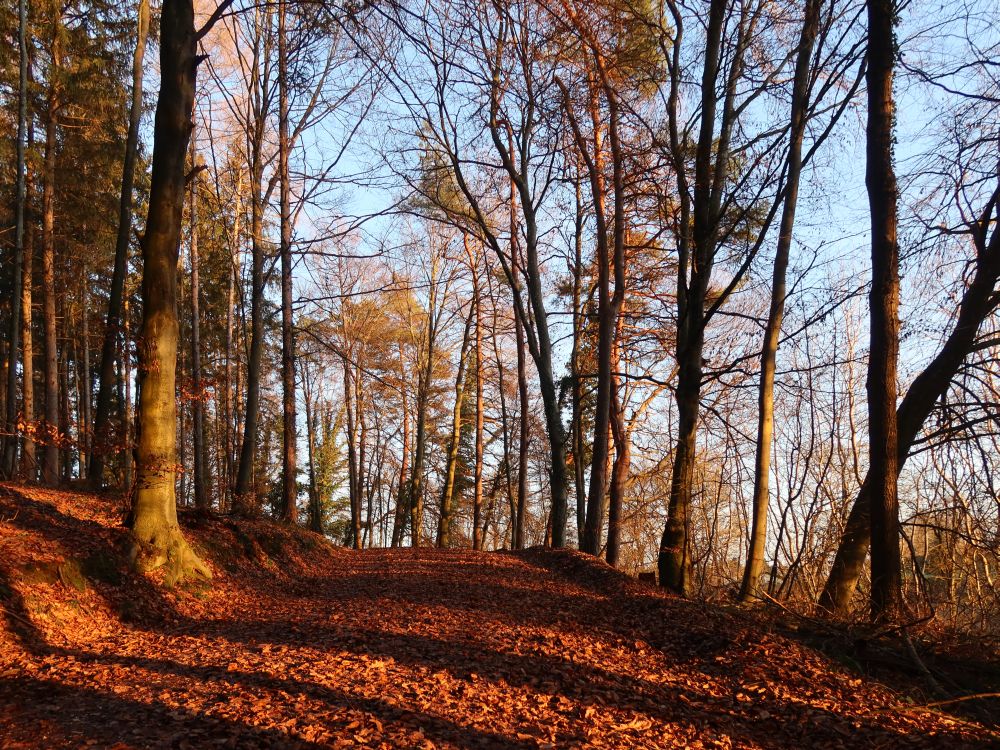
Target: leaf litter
[300, 644]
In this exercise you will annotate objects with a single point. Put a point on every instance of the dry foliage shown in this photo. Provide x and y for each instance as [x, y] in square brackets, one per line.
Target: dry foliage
[300, 644]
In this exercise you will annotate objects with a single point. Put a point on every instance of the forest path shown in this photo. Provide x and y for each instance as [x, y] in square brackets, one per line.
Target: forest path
[394, 649]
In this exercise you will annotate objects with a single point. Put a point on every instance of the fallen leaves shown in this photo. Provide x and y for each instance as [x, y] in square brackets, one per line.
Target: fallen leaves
[321, 647]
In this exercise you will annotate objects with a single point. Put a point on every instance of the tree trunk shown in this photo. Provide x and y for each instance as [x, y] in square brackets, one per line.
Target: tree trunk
[577, 431]
[50, 451]
[695, 261]
[29, 465]
[524, 437]
[157, 536]
[423, 394]
[606, 318]
[772, 331]
[978, 302]
[623, 458]
[451, 462]
[109, 348]
[201, 499]
[886, 592]
[289, 490]
[244, 503]
[477, 502]
[402, 495]
[315, 506]
[10, 443]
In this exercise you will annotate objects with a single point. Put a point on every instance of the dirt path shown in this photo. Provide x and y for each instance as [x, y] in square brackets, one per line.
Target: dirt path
[402, 648]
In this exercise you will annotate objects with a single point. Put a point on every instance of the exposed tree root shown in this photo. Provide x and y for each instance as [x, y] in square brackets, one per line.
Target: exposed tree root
[165, 547]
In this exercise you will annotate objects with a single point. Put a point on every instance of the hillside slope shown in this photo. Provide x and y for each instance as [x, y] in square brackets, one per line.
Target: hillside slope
[299, 644]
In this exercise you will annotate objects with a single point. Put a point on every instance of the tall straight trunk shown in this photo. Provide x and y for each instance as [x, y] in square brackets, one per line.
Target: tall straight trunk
[446, 519]
[127, 417]
[606, 316]
[359, 400]
[10, 443]
[577, 432]
[243, 500]
[622, 462]
[84, 425]
[65, 454]
[153, 519]
[695, 261]
[315, 507]
[201, 499]
[50, 451]
[289, 490]
[402, 494]
[883, 195]
[352, 456]
[112, 328]
[609, 253]
[772, 330]
[229, 394]
[505, 430]
[477, 500]
[423, 394]
[28, 461]
[524, 439]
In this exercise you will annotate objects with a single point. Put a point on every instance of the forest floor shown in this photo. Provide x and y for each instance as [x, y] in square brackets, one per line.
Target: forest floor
[297, 643]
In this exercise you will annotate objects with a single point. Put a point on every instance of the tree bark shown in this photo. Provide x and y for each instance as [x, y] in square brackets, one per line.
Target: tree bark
[772, 331]
[112, 328]
[10, 443]
[477, 501]
[289, 489]
[50, 450]
[201, 499]
[880, 179]
[29, 465]
[423, 395]
[524, 437]
[402, 494]
[153, 522]
[451, 461]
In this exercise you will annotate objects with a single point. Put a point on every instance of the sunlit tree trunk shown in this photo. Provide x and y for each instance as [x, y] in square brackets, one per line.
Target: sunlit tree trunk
[201, 499]
[883, 195]
[244, 502]
[477, 502]
[772, 330]
[451, 461]
[524, 437]
[153, 520]
[402, 493]
[50, 451]
[423, 395]
[289, 490]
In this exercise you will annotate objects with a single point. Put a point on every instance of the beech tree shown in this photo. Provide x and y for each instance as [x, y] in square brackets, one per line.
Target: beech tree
[153, 518]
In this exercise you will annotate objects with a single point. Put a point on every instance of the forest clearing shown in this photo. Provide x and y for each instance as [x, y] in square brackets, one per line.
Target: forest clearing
[299, 644]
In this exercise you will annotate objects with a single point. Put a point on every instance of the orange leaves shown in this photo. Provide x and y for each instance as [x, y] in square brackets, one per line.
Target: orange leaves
[298, 644]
